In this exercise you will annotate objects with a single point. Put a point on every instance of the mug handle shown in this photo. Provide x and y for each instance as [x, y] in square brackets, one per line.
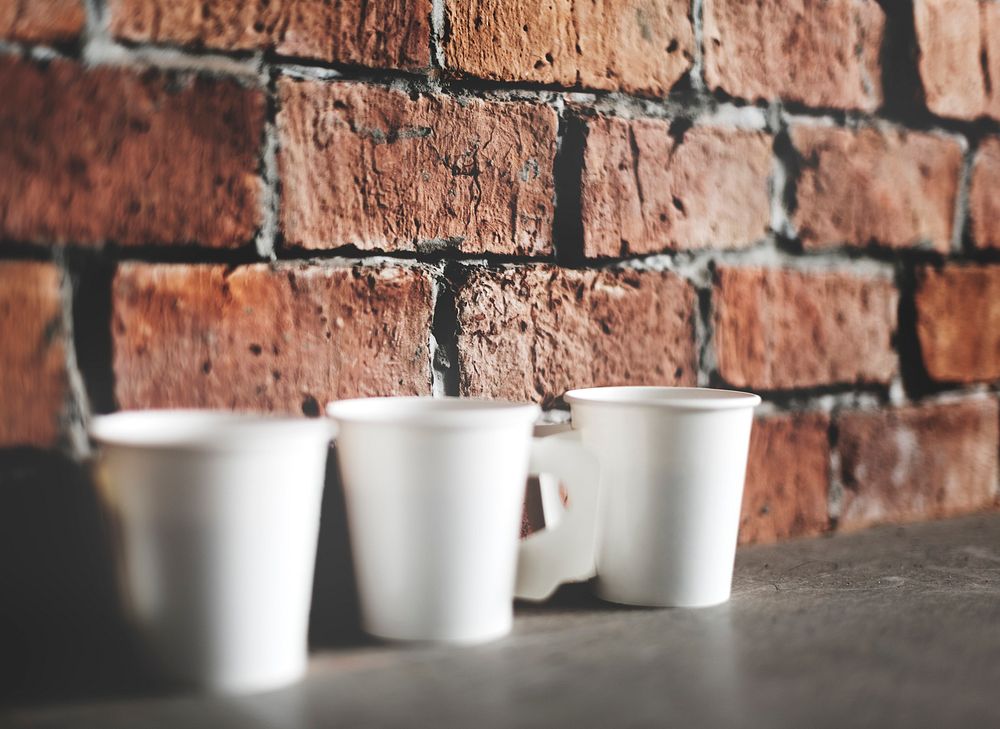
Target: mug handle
[564, 553]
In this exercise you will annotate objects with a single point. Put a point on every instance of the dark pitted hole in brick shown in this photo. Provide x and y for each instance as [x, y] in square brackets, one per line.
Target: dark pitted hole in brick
[276, 374]
[673, 45]
[678, 128]
[206, 367]
[256, 349]
[310, 407]
[679, 204]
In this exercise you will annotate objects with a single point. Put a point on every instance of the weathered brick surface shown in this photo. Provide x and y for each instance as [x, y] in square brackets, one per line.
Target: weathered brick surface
[918, 462]
[958, 322]
[373, 168]
[870, 187]
[984, 195]
[532, 333]
[990, 55]
[41, 21]
[637, 46]
[959, 59]
[109, 155]
[94, 152]
[645, 191]
[823, 54]
[787, 478]
[288, 339]
[33, 378]
[779, 329]
[388, 33]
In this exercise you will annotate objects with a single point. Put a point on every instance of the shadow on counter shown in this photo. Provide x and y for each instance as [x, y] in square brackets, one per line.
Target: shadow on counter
[63, 635]
[61, 631]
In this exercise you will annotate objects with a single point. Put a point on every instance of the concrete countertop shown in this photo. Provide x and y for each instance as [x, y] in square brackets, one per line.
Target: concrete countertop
[896, 626]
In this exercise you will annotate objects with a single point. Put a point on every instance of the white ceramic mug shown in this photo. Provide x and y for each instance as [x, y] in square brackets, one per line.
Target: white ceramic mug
[216, 517]
[434, 490]
[672, 462]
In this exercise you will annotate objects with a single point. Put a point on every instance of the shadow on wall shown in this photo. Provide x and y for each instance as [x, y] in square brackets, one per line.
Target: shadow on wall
[63, 635]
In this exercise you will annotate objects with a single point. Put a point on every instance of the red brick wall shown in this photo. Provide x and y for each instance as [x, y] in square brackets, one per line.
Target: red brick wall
[267, 206]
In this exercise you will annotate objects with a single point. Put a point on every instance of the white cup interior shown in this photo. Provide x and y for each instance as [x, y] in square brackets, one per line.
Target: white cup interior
[196, 429]
[445, 412]
[687, 398]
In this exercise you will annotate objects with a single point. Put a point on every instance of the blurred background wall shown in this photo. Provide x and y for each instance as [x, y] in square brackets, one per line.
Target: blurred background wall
[268, 205]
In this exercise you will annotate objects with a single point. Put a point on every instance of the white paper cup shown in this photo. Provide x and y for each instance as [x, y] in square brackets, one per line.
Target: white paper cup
[215, 518]
[673, 461]
[434, 491]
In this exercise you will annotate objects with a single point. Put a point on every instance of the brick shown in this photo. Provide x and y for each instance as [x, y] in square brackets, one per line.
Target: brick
[958, 322]
[373, 168]
[787, 478]
[991, 51]
[821, 54]
[110, 155]
[531, 333]
[532, 515]
[287, 339]
[645, 191]
[637, 46]
[916, 463]
[388, 33]
[959, 58]
[984, 203]
[779, 329]
[33, 376]
[41, 21]
[869, 187]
